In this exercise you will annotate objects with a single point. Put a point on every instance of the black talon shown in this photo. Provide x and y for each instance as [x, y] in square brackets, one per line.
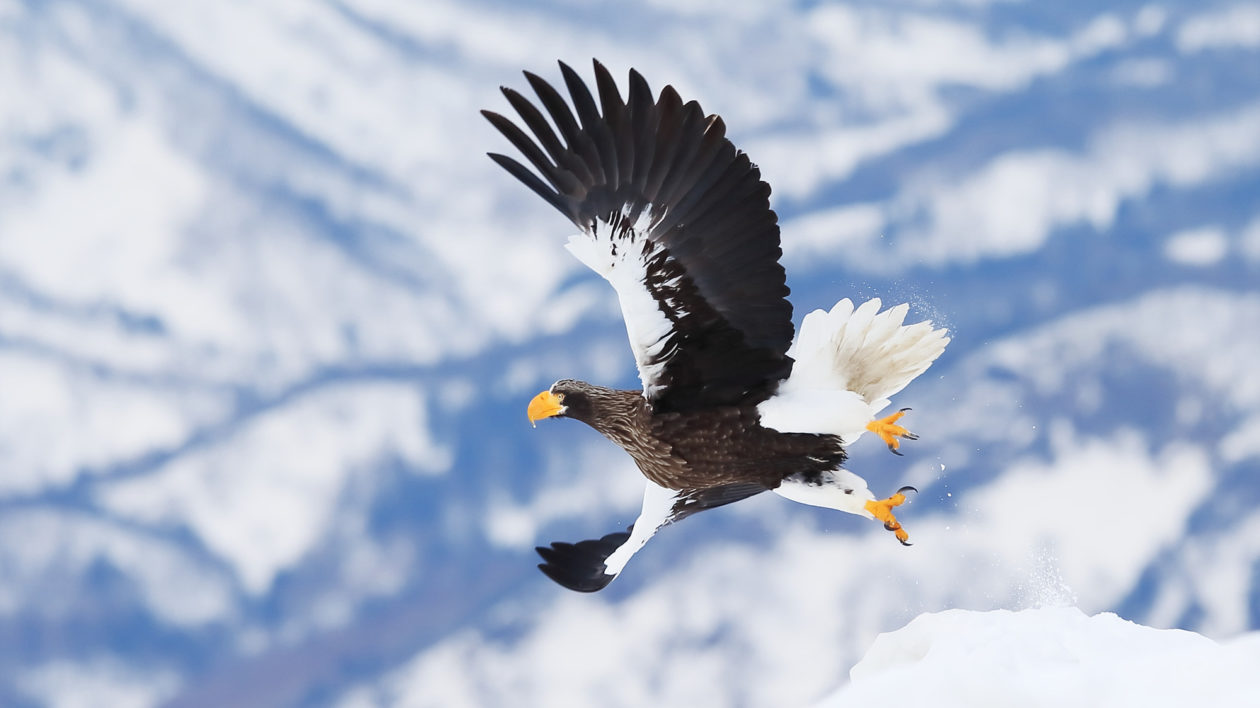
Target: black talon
[905, 543]
[888, 526]
[907, 488]
[910, 436]
[903, 410]
[893, 450]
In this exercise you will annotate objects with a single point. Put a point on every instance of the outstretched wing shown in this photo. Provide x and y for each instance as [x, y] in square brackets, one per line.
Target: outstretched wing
[589, 566]
[677, 219]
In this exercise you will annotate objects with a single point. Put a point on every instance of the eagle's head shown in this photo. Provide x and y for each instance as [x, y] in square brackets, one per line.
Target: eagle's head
[566, 398]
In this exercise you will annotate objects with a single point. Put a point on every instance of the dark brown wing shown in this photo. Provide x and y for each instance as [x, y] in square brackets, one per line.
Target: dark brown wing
[677, 219]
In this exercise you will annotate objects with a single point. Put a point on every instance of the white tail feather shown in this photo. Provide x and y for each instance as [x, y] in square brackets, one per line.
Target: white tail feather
[864, 350]
[849, 362]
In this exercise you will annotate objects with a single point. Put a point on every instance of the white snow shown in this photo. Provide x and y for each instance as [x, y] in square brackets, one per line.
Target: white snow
[100, 681]
[265, 501]
[1011, 205]
[47, 557]
[875, 54]
[1235, 26]
[590, 483]
[1049, 658]
[71, 422]
[819, 233]
[1249, 240]
[1197, 247]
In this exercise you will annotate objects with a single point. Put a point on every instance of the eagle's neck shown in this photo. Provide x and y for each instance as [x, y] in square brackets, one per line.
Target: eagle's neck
[617, 415]
[625, 418]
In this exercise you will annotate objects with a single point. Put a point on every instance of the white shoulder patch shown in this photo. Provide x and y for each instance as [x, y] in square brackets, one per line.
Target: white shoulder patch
[623, 263]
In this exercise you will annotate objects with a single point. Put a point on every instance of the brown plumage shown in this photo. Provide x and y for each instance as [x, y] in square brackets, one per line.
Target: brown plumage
[712, 447]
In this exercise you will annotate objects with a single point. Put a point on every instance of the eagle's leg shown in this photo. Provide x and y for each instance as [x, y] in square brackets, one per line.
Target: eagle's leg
[888, 430]
[882, 510]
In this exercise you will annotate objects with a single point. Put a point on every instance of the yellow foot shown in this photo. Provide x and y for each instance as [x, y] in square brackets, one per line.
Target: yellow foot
[888, 430]
[882, 510]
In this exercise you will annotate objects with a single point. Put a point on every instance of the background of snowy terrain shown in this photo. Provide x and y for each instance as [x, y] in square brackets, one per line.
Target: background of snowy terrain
[269, 320]
[1049, 657]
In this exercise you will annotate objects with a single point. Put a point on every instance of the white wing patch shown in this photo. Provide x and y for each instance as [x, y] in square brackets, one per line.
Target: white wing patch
[622, 261]
[848, 363]
[658, 502]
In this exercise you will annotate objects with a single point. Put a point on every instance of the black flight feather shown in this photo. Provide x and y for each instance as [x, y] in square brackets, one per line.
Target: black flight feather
[712, 240]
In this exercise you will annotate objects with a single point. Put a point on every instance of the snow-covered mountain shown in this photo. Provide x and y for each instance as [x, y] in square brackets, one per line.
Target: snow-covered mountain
[1049, 657]
[269, 320]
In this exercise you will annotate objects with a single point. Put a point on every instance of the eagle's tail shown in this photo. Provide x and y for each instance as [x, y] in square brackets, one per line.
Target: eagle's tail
[848, 363]
[863, 350]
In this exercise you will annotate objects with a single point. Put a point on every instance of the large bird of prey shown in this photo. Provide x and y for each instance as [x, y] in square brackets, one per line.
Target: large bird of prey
[679, 222]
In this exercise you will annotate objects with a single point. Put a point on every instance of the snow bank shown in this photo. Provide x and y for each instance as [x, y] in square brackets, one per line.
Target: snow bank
[1054, 656]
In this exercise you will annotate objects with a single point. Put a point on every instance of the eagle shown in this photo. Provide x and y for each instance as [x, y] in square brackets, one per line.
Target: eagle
[678, 220]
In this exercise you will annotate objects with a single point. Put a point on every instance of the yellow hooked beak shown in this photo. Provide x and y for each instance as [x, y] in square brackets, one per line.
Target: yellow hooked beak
[544, 405]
